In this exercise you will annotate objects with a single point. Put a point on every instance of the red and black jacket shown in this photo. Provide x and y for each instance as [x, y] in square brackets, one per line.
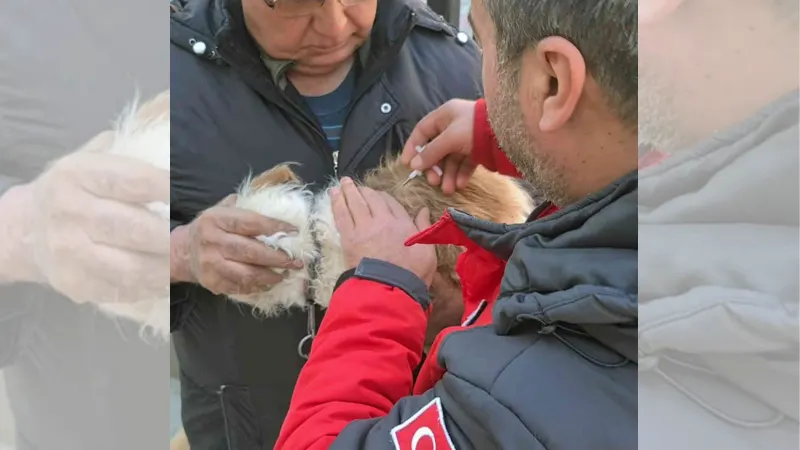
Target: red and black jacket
[364, 356]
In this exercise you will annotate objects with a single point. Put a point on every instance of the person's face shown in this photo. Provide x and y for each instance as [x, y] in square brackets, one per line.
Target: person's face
[705, 65]
[514, 102]
[319, 41]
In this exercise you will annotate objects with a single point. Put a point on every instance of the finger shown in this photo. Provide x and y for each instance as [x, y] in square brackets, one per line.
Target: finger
[341, 214]
[426, 129]
[395, 208]
[450, 172]
[377, 203]
[448, 142]
[359, 209]
[465, 171]
[247, 223]
[246, 279]
[250, 251]
[119, 178]
[434, 179]
[423, 219]
[125, 275]
[125, 226]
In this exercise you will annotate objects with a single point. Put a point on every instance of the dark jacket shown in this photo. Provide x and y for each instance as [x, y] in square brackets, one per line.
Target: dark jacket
[232, 116]
[718, 341]
[549, 364]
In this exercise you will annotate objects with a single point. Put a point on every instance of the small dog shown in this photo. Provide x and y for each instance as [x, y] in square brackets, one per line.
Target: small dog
[279, 194]
[143, 132]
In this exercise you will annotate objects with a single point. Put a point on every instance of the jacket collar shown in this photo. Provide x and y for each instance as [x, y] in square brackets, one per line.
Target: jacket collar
[573, 269]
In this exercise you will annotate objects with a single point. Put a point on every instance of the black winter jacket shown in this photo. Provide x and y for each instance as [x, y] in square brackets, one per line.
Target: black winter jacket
[549, 364]
[230, 117]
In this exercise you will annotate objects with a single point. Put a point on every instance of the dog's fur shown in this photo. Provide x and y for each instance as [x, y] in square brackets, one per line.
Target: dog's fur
[143, 132]
[278, 193]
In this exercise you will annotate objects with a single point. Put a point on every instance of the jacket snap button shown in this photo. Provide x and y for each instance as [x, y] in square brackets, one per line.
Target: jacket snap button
[462, 37]
[199, 48]
[386, 108]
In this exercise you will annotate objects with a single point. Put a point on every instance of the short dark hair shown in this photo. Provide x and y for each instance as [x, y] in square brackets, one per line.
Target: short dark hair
[605, 31]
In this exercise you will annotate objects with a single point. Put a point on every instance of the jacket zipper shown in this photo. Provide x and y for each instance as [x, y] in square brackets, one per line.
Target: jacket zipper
[288, 106]
[336, 163]
[373, 77]
[227, 425]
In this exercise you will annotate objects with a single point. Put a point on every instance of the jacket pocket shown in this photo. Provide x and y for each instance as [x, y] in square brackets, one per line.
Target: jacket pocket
[242, 431]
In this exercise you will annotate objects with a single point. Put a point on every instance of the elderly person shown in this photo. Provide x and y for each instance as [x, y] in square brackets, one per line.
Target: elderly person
[331, 85]
[546, 356]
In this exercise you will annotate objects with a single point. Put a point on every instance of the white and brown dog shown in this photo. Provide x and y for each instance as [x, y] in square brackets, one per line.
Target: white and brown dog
[280, 194]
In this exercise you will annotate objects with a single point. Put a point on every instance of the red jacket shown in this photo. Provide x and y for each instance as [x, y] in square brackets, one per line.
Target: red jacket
[363, 358]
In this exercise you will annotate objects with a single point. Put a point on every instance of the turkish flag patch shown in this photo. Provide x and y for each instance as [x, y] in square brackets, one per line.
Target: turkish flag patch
[425, 430]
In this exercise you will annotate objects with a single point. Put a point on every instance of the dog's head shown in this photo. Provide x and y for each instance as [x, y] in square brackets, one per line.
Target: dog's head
[487, 196]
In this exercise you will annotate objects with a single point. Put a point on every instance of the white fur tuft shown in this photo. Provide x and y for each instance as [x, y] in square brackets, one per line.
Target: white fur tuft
[147, 140]
[332, 265]
[290, 203]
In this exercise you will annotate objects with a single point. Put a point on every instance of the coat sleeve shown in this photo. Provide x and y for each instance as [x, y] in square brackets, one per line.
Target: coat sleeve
[353, 393]
[363, 358]
[485, 148]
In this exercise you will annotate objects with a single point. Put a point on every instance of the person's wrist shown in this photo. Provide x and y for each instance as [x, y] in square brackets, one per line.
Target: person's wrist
[16, 256]
[391, 274]
[179, 268]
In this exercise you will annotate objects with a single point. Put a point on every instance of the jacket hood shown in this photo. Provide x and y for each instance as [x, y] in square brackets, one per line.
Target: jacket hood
[572, 272]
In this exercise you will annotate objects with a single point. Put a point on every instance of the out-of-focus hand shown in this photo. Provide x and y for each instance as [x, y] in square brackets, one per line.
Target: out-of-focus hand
[448, 306]
[88, 234]
[219, 251]
[374, 225]
[446, 133]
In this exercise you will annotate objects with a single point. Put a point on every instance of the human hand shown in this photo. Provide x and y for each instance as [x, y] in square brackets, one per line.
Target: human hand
[448, 306]
[374, 225]
[446, 134]
[218, 250]
[88, 234]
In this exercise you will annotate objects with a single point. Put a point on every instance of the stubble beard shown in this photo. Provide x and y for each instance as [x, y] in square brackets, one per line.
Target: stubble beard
[505, 117]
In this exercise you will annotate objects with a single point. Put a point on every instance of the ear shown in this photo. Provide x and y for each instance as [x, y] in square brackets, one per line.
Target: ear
[553, 74]
[280, 174]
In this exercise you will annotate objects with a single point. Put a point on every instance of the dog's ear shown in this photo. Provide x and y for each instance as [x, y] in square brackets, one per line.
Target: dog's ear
[280, 174]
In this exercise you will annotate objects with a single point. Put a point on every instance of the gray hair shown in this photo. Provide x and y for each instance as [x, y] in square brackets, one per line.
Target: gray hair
[605, 32]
